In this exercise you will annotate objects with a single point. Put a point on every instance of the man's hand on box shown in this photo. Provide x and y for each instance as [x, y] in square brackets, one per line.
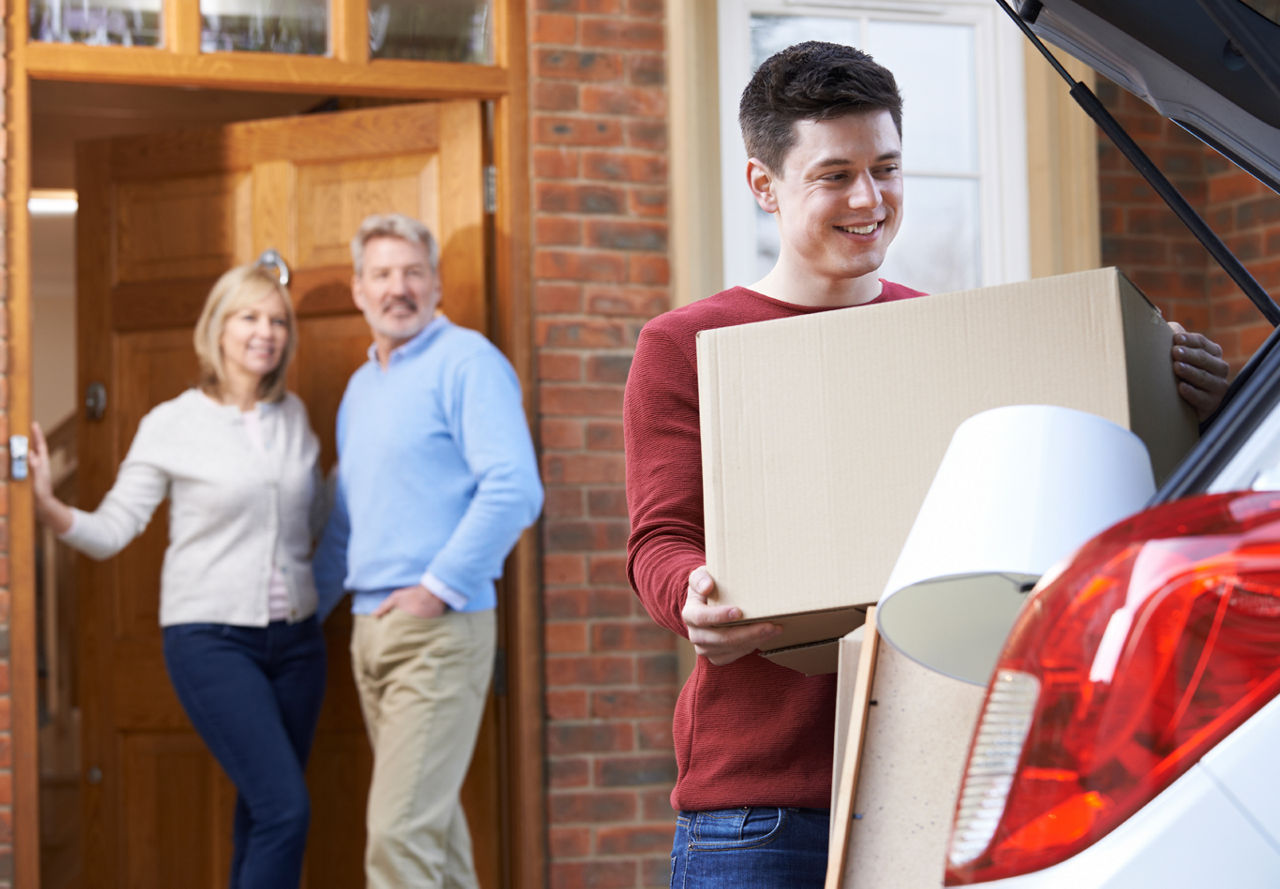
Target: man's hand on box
[1201, 372]
[718, 644]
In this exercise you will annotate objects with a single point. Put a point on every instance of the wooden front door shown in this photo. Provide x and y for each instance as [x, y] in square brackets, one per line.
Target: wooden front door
[160, 218]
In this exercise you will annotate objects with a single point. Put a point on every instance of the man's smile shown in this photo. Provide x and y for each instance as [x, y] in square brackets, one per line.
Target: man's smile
[859, 229]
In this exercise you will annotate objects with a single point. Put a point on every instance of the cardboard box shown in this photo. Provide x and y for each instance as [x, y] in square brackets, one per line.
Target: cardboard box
[821, 434]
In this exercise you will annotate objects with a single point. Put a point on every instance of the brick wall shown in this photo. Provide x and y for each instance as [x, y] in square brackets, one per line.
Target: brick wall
[601, 270]
[1144, 238]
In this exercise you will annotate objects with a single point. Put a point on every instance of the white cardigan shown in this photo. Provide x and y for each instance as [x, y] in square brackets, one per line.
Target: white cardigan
[233, 511]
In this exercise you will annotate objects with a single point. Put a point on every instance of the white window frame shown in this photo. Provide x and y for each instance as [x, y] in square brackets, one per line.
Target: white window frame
[1001, 128]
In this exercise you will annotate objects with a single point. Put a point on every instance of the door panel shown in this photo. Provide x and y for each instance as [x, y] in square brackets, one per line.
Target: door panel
[160, 218]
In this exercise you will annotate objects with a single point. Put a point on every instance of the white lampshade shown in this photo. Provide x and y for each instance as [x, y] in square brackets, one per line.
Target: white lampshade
[1020, 488]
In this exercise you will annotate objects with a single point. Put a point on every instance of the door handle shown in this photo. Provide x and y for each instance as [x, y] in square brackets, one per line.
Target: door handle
[95, 401]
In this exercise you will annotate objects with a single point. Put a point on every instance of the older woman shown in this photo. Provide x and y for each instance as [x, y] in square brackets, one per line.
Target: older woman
[237, 458]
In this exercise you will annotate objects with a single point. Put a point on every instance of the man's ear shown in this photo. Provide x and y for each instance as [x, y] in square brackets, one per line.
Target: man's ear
[761, 180]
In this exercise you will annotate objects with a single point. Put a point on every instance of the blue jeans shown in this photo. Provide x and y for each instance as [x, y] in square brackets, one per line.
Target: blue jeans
[254, 694]
[750, 848]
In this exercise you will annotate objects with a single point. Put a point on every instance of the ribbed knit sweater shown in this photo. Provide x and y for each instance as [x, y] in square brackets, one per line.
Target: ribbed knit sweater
[750, 733]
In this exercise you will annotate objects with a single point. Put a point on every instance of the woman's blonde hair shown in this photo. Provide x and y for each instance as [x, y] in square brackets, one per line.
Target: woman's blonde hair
[243, 286]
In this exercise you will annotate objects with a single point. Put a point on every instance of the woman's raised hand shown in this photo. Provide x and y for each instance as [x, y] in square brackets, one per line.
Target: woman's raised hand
[49, 509]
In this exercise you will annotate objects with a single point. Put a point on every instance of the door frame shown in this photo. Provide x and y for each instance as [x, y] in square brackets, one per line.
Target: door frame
[347, 72]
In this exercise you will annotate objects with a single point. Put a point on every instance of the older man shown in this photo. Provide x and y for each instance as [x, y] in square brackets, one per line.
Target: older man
[437, 479]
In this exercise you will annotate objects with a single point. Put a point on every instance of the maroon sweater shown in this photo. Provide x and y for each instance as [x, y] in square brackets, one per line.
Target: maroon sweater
[751, 732]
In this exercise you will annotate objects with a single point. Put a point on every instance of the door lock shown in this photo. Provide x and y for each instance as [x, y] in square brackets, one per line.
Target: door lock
[95, 401]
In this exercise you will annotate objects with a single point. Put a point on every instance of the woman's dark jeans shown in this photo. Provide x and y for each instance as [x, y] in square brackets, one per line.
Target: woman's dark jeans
[254, 694]
[750, 848]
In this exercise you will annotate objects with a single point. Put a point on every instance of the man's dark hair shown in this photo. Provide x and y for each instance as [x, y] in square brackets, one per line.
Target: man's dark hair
[810, 81]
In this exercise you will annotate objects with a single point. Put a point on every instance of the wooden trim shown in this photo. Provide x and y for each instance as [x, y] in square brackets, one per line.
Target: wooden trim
[181, 27]
[697, 269]
[349, 31]
[512, 325]
[22, 541]
[266, 72]
[1062, 171]
[846, 793]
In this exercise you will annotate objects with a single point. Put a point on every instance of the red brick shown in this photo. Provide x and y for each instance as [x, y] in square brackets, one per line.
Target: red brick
[4, 680]
[655, 872]
[568, 773]
[582, 401]
[550, 130]
[626, 100]
[565, 64]
[645, 8]
[633, 302]
[564, 568]
[635, 771]
[555, 163]
[564, 435]
[595, 737]
[554, 28]
[658, 669]
[563, 503]
[647, 134]
[622, 34]
[655, 735]
[647, 70]
[558, 231]
[557, 299]
[6, 751]
[562, 672]
[6, 788]
[607, 503]
[621, 235]
[583, 469]
[561, 366]
[629, 703]
[566, 704]
[609, 368]
[1251, 338]
[649, 270]
[631, 637]
[568, 536]
[656, 805]
[648, 202]
[608, 570]
[557, 197]
[581, 334]
[593, 875]
[635, 840]
[569, 842]
[560, 638]
[1228, 187]
[555, 96]
[604, 436]
[568, 808]
[597, 267]
[598, 7]
[624, 166]
[567, 604]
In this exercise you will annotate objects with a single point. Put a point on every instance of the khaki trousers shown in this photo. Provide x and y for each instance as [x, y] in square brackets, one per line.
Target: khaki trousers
[422, 685]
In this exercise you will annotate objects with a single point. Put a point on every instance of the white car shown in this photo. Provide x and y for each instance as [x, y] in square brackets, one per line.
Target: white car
[1131, 733]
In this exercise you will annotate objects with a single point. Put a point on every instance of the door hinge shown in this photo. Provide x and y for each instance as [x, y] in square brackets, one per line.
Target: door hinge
[490, 188]
[500, 673]
[18, 447]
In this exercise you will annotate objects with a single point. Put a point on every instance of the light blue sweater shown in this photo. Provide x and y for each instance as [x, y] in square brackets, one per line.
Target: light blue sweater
[436, 473]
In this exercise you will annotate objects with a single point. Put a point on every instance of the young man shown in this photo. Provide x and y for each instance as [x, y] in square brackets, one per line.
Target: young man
[437, 478]
[823, 128]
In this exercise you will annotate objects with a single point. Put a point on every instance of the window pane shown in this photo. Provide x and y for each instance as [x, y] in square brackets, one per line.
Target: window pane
[934, 67]
[96, 22]
[774, 33]
[298, 27]
[937, 248]
[443, 31]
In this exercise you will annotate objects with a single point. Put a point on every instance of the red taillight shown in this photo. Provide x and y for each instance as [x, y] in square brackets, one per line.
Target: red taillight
[1160, 638]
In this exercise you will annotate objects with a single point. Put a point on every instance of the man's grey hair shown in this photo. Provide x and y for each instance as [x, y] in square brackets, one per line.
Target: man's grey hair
[393, 225]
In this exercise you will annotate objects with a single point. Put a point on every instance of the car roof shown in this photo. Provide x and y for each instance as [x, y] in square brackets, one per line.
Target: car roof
[1212, 66]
